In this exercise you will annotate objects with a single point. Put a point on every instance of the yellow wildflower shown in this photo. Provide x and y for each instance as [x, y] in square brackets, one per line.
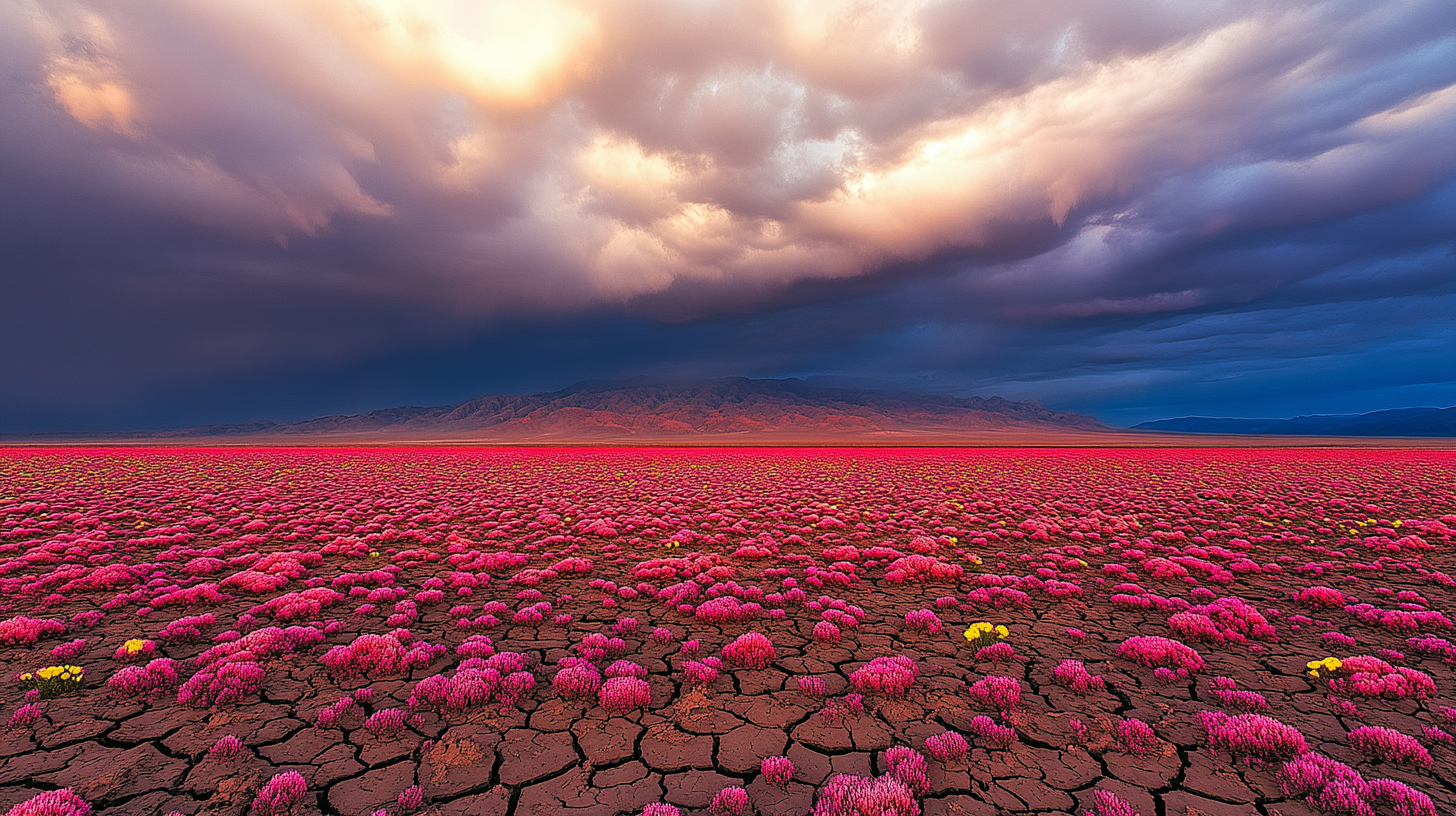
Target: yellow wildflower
[134, 645]
[983, 633]
[1328, 664]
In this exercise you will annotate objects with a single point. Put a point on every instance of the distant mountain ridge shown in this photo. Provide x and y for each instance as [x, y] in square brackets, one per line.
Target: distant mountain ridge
[656, 409]
[1400, 422]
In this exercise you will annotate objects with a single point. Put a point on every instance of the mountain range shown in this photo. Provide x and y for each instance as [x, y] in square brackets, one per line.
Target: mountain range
[1401, 422]
[737, 410]
[652, 410]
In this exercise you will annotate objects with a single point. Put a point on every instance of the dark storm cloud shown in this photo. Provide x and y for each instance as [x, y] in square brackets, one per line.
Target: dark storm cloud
[233, 209]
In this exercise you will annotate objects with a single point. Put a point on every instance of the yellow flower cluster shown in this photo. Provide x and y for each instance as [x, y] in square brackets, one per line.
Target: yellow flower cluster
[672, 545]
[1328, 665]
[134, 645]
[984, 634]
[55, 680]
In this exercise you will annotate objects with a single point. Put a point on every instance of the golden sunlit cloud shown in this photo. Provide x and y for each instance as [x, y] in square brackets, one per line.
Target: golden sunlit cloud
[605, 151]
[502, 52]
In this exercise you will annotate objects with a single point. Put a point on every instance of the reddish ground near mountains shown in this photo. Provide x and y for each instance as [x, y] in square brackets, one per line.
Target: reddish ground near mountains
[595, 632]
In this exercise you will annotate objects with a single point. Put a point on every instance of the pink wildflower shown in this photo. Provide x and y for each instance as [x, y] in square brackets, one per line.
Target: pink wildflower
[1388, 745]
[1136, 737]
[908, 765]
[620, 695]
[846, 795]
[225, 746]
[996, 736]
[885, 676]
[25, 716]
[1107, 803]
[812, 686]
[1000, 693]
[280, 794]
[61, 802]
[1073, 675]
[750, 650]
[777, 770]
[411, 799]
[924, 620]
[947, 747]
[1252, 735]
[577, 679]
[730, 802]
[1161, 652]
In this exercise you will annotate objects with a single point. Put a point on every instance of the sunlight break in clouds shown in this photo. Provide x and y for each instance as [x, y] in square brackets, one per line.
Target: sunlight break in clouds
[618, 149]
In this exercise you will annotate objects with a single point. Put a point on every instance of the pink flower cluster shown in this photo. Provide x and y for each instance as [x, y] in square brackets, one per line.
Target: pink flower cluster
[947, 747]
[1225, 692]
[280, 794]
[924, 620]
[922, 569]
[1107, 803]
[887, 677]
[597, 646]
[1159, 652]
[381, 655]
[499, 679]
[730, 802]
[1073, 675]
[1367, 676]
[626, 668]
[576, 679]
[908, 765]
[1227, 620]
[188, 629]
[480, 646]
[1252, 735]
[1320, 597]
[23, 631]
[305, 605]
[847, 795]
[1388, 745]
[826, 632]
[269, 641]
[225, 746]
[1336, 788]
[25, 716]
[69, 650]
[1000, 693]
[989, 732]
[1136, 737]
[620, 695]
[387, 722]
[813, 687]
[410, 799]
[727, 609]
[63, 802]
[998, 598]
[229, 680]
[997, 653]
[154, 680]
[1439, 648]
[778, 770]
[750, 650]
[702, 673]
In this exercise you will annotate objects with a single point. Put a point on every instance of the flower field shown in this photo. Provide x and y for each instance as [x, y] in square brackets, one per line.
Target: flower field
[870, 632]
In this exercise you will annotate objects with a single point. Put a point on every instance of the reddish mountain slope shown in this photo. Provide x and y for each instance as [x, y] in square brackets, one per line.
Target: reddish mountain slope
[657, 410]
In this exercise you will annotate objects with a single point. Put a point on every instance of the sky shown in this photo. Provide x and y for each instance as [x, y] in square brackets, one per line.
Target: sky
[230, 211]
